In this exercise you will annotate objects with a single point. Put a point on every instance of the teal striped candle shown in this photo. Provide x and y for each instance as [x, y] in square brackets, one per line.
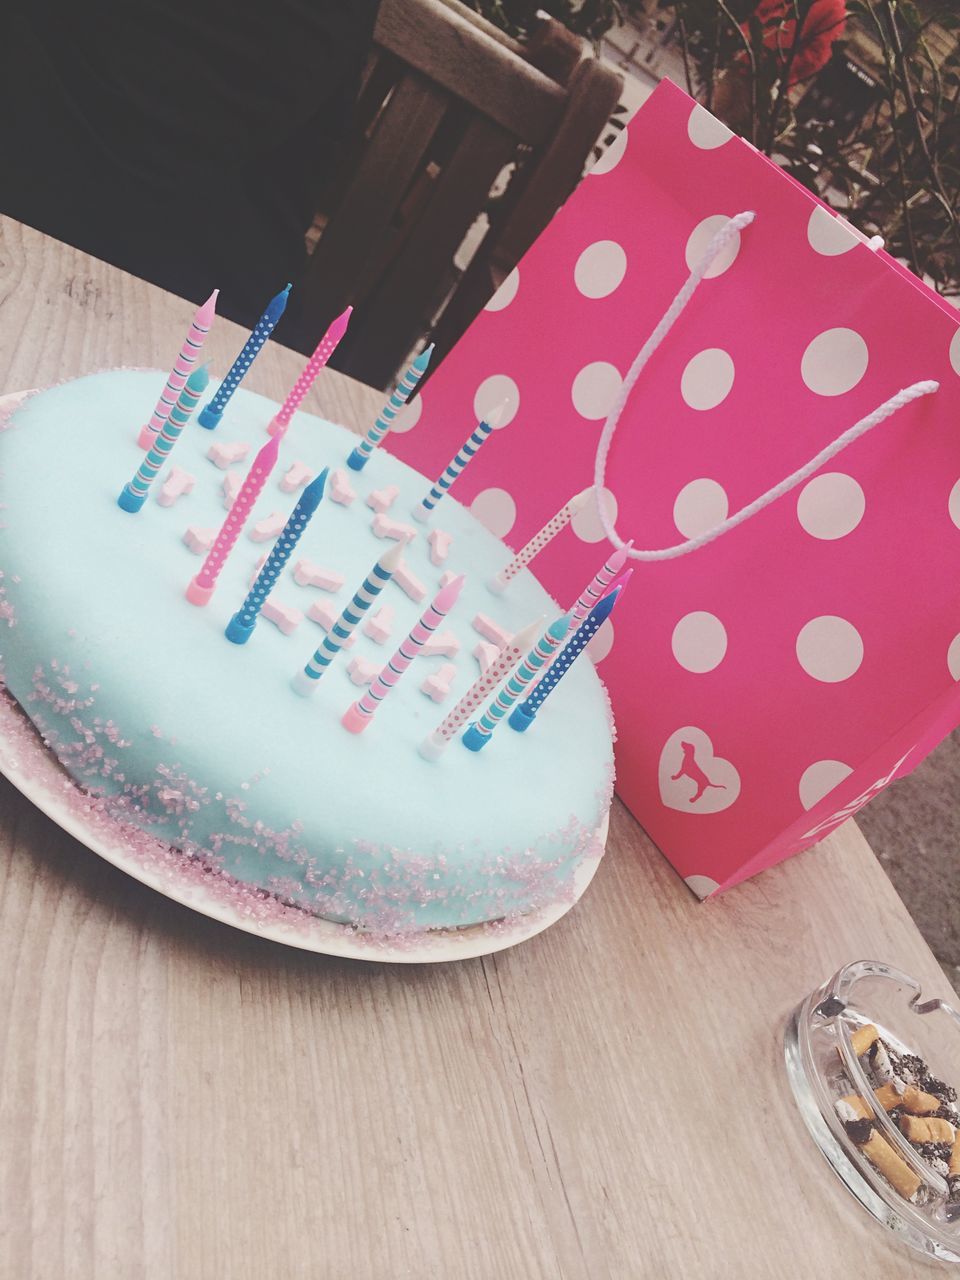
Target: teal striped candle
[134, 494]
[523, 715]
[305, 681]
[479, 734]
[402, 393]
[470, 446]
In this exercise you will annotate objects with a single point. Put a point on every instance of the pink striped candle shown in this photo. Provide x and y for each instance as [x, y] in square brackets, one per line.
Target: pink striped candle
[325, 349]
[189, 353]
[434, 746]
[598, 587]
[357, 717]
[540, 540]
[201, 588]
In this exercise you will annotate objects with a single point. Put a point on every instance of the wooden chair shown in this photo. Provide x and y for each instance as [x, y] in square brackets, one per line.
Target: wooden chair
[450, 106]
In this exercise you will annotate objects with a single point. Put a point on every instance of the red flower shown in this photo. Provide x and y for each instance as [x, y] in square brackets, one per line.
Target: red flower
[822, 25]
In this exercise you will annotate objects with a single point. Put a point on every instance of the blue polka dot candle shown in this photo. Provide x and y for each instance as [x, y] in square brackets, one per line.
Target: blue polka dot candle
[524, 714]
[479, 734]
[134, 495]
[211, 413]
[468, 449]
[402, 392]
[305, 681]
[241, 625]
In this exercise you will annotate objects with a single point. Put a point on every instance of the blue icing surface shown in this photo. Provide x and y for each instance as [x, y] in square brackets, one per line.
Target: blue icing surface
[203, 743]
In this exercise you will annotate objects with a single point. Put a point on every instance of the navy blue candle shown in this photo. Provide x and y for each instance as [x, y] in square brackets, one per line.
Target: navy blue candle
[211, 414]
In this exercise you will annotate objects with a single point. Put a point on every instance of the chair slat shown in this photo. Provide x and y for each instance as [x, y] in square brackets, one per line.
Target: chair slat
[436, 39]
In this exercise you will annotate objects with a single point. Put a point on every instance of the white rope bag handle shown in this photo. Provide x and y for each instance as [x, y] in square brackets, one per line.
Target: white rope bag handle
[726, 233]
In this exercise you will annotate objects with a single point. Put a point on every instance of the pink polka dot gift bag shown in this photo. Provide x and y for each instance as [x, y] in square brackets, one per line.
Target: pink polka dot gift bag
[769, 408]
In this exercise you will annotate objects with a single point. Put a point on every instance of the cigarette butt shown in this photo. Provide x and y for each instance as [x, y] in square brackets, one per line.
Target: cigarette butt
[863, 1038]
[919, 1103]
[926, 1129]
[955, 1158]
[888, 1097]
[857, 1104]
[893, 1167]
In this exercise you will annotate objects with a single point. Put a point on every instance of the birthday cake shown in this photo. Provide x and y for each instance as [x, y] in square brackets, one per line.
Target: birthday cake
[178, 736]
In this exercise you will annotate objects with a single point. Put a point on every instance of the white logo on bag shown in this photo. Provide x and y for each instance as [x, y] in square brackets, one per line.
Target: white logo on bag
[692, 778]
[858, 802]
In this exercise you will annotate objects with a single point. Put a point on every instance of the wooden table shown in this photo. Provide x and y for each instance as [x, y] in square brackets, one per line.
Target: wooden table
[180, 1100]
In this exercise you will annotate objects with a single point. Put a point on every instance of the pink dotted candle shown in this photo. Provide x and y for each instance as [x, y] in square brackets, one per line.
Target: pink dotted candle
[325, 349]
[183, 367]
[357, 717]
[540, 540]
[433, 747]
[201, 588]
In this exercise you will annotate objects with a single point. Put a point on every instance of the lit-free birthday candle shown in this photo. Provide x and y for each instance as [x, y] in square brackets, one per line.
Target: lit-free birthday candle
[134, 494]
[183, 367]
[523, 715]
[480, 733]
[401, 394]
[211, 413]
[433, 747]
[357, 717]
[600, 584]
[201, 588]
[467, 450]
[540, 540]
[325, 349]
[305, 681]
[241, 625]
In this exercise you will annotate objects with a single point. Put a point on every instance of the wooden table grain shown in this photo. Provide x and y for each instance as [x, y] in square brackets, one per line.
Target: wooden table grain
[179, 1100]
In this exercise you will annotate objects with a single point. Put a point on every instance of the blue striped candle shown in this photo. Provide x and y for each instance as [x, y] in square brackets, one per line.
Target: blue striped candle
[401, 394]
[241, 625]
[134, 495]
[211, 413]
[524, 714]
[305, 681]
[470, 446]
[479, 734]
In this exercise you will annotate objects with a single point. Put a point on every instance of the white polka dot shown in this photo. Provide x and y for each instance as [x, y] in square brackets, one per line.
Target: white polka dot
[953, 657]
[829, 234]
[602, 642]
[506, 293]
[834, 362]
[707, 379]
[829, 649]
[700, 505]
[699, 641]
[586, 523]
[595, 388]
[820, 779]
[955, 351]
[600, 269]
[705, 131]
[702, 886]
[495, 510]
[953, 504]
[493, 391]
[831, 506]
[612, 156]
[408, 417]
[700, 237]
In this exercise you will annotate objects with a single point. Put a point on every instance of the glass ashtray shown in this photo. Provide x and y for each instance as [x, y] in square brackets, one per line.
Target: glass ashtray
[873, 1067]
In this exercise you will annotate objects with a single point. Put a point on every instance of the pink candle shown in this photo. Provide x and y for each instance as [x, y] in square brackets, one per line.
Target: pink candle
[201, 588]
[598, 587]
[325, 349]
[357, 717]
[433, 746]
[181, 370]
[540, 540]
